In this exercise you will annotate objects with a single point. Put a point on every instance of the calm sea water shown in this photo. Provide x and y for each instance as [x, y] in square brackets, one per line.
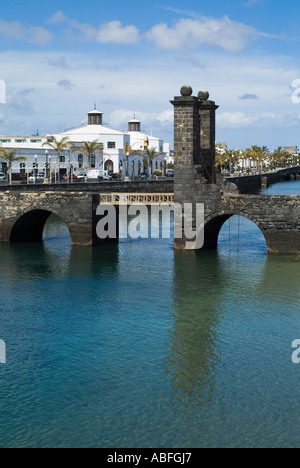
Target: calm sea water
[137, 346]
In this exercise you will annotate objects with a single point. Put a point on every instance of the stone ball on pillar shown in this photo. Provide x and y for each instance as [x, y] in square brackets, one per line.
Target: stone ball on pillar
[203, 95]
[186, 91]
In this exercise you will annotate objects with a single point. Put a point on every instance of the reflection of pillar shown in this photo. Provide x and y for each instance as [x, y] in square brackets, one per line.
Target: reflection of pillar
[94, 263]
[198, 293]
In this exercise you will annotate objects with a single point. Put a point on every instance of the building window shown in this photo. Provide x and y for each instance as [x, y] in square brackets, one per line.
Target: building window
[22, 168]
[80, 161]
[111, 145]
[35, 141]
[5, 140]
[62, 159]
[93, 161]
[20, 141]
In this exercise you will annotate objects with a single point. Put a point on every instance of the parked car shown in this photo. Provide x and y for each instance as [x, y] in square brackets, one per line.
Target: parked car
[170, 173]
[37, 178]
[3, 177]
[112, 176]
[82, 176]
[144, 175]
[70, 177]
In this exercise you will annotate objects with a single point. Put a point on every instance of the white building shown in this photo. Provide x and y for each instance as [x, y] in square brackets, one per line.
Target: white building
[39, 156]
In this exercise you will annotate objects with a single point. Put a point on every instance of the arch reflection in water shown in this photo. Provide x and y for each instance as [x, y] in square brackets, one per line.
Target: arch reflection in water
[240, 235]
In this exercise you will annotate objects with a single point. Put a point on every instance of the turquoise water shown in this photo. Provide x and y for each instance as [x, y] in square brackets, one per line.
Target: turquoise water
[137, 346]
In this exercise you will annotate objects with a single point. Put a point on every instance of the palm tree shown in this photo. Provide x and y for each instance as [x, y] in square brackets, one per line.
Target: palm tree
[281, 157]
[129, 152]
[89, 149]
[58, 147]
[9, 156]
[150, 154]
[222, 160]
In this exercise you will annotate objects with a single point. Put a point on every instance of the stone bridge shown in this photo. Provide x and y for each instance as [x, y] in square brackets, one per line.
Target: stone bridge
[24, 210]
[278, 218]
[197, 181]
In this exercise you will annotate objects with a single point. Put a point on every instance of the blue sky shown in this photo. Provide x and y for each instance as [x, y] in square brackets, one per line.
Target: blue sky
[57, 59]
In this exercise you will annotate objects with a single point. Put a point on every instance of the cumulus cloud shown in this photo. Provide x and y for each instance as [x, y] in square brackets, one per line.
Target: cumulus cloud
[111, 32]
[57, 18]
[67, 84]
[116, 33]
[249, 97]
[240, 120]
[20, 102]
[32, 34]
[120, 118]
[60, 63]
[231, 36]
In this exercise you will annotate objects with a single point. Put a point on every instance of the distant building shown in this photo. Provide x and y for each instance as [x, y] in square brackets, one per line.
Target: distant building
[221, 147]
[39, 156]
[293, 150]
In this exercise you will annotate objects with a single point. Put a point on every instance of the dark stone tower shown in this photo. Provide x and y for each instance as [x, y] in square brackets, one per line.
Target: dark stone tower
[194, 153]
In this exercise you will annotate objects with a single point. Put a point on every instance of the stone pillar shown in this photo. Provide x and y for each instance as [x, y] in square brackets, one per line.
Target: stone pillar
[186, 141]
[194, 155]
[207, 154]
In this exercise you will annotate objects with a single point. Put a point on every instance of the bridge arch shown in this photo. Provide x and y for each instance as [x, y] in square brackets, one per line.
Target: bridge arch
[29, 226]
[215, 222]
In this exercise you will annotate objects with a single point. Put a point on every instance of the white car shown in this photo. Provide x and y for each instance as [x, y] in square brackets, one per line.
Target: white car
[37, 178]
[82, 176]
[3, 177]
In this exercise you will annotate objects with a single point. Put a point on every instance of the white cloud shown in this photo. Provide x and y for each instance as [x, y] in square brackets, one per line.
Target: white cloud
[114, 32]
[67, 84]
[111, 32]
[60, 63]
[240, 120]
[119, 118]
[231, 36]
[58, 18]
[31, 34]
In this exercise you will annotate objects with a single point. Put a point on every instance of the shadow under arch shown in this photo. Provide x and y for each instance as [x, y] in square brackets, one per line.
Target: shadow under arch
[29, 227]
[214, 225]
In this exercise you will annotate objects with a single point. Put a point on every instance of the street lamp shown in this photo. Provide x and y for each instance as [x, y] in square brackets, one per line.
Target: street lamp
[47, 167]
[36, 167]
[50, 177]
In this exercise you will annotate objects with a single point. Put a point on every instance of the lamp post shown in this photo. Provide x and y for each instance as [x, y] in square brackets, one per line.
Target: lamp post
[50, 176]
[68, 171]
[35, 168]
[47, 167]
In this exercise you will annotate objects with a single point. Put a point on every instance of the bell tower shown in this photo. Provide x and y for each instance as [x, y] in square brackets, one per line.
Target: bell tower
[95, 117]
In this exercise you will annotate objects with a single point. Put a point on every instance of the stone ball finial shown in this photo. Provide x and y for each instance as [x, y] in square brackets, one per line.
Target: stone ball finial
[186, 91]
[203, 95]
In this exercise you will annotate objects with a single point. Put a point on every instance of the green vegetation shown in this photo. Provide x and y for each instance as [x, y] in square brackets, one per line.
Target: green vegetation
[255, 158]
